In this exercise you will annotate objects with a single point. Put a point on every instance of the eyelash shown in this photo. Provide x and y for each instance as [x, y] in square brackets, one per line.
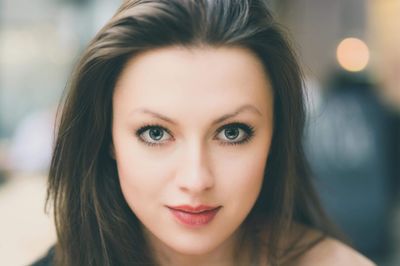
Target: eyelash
[248, 131]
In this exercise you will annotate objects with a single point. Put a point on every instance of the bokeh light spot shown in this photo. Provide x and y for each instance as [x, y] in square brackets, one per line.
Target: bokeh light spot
[352, 54]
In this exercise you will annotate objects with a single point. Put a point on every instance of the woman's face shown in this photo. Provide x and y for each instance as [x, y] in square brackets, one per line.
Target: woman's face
[192, 127]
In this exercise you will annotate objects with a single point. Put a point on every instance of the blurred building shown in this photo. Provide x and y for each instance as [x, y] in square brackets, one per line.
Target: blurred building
[39, 42]
[384, 36]
[353, 135]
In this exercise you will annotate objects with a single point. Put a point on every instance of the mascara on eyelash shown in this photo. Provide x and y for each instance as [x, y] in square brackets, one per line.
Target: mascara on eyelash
[247, 128]
[150, 126]
[249, 131]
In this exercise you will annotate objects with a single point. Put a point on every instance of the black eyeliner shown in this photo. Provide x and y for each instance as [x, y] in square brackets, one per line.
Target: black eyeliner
[249, 130]
[146, 127]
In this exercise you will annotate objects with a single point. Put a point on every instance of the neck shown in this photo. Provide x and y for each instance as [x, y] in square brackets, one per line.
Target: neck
[226, 254]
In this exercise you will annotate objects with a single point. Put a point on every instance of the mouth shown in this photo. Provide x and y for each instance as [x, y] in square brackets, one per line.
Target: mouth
[194, 216]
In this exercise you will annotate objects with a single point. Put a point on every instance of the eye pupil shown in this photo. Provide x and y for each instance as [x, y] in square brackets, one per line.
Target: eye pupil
[156, 134]
[232, 133]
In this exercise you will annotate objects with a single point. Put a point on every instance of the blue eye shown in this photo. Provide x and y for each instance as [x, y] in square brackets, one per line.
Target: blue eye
[154, 133]
[231, 134]
[236, 133]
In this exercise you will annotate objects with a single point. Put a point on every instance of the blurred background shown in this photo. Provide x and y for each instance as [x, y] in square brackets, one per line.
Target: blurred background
[350, 54]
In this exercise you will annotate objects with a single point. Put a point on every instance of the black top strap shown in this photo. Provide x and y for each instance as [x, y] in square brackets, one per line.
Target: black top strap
[46, 260]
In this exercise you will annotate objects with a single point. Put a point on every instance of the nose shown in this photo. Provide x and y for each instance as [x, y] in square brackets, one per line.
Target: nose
[195, 174]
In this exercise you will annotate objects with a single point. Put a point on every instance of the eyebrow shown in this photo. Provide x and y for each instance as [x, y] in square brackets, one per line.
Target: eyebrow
[241, 109]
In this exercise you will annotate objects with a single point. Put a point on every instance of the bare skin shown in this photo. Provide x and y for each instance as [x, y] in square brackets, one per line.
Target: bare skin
[330, 252]
[185, 90]
[326, 252]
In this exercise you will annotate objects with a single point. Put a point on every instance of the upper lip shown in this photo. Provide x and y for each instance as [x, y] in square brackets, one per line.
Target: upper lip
[196, 209]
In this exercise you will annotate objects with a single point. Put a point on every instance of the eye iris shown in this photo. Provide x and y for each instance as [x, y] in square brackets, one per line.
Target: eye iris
[156, 133]
[232, 133]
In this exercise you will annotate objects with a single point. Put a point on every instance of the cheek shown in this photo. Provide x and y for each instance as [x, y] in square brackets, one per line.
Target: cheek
[140, 181]
[135, 167]
[137, 175]
[244, 175]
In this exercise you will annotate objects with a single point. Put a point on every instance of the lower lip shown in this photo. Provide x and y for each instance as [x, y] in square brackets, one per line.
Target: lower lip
[194, 219]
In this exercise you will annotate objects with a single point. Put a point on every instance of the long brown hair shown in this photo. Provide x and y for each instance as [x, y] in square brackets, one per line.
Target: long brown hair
[95, 226]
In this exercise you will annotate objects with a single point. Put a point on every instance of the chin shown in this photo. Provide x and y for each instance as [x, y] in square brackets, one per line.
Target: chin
[193, 247]
[193, 250]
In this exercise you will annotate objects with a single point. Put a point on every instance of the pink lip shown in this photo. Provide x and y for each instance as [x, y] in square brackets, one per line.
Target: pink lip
[194, 216]
[188, 208]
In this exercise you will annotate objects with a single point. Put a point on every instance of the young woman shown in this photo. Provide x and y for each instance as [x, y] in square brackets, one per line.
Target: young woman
[180, 144]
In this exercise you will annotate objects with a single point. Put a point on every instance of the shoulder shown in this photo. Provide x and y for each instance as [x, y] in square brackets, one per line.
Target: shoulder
[330, 252]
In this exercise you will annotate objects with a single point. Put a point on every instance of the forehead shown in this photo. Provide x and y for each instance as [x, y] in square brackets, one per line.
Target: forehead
[191, 76]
